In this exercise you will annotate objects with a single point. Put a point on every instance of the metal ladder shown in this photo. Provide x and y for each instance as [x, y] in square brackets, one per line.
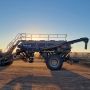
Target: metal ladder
[10, 46]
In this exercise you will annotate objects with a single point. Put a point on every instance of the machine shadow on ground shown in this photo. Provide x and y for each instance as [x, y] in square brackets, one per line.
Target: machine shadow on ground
[60, 80]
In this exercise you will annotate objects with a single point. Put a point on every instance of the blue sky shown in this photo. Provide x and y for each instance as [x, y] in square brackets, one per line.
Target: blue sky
[71, 17]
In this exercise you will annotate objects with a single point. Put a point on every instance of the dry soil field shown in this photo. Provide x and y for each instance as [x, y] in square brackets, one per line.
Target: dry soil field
[36, 76]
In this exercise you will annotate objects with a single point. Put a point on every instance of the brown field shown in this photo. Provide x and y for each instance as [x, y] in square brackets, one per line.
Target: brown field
[36, 76]
[83, 57]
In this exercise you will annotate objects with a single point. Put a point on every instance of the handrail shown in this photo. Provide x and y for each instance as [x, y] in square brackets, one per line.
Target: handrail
[44, 36]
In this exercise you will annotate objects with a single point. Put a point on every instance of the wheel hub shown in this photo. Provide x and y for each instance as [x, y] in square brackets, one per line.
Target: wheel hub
[54, 62]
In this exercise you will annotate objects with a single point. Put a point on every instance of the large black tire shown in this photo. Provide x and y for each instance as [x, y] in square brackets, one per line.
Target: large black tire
[2, 63]
[6, 61]
[54, 62]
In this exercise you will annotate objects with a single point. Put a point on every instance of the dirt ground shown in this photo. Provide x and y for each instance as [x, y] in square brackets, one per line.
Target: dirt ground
[36, 76]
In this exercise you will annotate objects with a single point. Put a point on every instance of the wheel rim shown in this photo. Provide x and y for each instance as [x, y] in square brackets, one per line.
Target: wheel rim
[54, 63]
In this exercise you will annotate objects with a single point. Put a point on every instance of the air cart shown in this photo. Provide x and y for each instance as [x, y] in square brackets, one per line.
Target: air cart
[54, 49]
